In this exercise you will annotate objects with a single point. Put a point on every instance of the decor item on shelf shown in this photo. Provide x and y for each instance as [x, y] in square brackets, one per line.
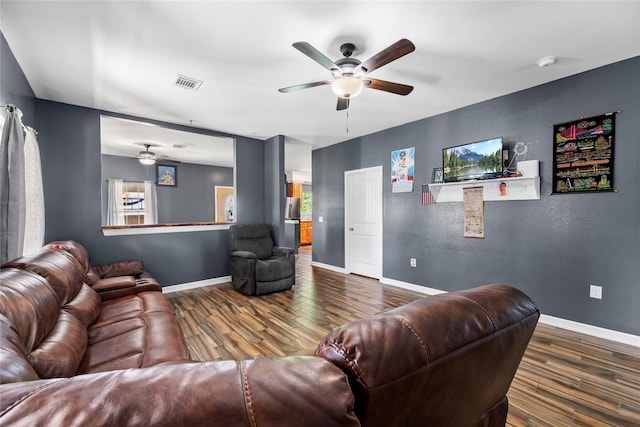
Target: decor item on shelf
[529, 168]
[147, 157]
[519, 155]
[167, 175]
[349, 74]
[427, 196]
[476, 160]
[437, 176]
[583, 155]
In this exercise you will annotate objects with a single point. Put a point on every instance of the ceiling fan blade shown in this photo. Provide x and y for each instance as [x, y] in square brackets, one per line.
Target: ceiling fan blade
[386, 86]
[393, 52]
[304, 86]
[343, 104]
[316, 55]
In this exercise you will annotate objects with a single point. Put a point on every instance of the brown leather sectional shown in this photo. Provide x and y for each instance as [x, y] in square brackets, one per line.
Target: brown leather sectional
[84, 345]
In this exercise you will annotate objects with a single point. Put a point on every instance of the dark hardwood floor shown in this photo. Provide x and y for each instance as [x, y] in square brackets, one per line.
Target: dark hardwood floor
[564, 379]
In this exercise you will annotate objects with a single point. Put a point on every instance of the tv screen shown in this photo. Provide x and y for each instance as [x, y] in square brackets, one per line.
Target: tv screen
[476, 160]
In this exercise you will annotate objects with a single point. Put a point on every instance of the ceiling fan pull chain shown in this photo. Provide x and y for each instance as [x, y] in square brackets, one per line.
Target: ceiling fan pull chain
[347, 120]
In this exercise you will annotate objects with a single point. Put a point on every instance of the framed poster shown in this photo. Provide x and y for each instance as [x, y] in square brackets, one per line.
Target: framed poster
[473, 211]
[166, 175]
[583, 155]
[225, 205]
[402, 170]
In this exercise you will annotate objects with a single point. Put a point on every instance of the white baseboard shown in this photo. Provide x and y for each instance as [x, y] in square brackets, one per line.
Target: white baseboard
[570, 325]
[193, 285]
[594, 331]
[411, 286]
[329, 267]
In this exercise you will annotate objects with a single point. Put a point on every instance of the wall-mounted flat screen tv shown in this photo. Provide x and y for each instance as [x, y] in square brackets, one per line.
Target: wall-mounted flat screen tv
[476, 160]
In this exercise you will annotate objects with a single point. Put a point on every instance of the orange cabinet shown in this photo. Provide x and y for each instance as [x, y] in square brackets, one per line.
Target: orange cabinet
[294, 189]
[306, 234]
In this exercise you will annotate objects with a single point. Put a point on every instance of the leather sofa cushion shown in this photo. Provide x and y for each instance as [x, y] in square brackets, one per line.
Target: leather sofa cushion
[85, 306]
[60, 353]
[62, 271]
[78, 251]
[134, 331]
[283, 392]
[15, 367]
[29, 304]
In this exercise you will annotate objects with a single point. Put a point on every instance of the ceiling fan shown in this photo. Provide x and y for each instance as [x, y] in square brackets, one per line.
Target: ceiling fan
[350, 74]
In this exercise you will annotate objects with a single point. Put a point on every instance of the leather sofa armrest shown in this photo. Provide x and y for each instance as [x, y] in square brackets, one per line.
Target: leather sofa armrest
[142, 285]
[112, 283]
[282, 391]
[119, 268]
[244, 254]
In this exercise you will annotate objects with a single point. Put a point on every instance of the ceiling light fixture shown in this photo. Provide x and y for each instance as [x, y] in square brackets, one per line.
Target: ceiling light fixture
[546, 61]
[147, 157]
[347, 86]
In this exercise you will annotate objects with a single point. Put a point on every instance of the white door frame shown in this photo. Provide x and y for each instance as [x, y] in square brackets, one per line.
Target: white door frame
[347, 212]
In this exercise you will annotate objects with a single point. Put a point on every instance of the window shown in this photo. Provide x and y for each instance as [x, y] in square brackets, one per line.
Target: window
[133, 202]
[305, 203]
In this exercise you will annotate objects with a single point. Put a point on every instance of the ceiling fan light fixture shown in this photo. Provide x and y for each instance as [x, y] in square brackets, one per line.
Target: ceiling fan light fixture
[147, 157]
[347, 87]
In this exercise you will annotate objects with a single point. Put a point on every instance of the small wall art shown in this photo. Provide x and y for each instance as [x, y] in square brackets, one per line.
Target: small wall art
[166, 175]
[402, 170]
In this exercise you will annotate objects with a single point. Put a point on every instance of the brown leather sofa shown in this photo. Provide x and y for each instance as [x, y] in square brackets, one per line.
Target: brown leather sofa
[71, 358]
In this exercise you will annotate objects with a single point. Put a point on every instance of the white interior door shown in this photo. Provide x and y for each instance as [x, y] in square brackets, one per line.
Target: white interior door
[363, 222]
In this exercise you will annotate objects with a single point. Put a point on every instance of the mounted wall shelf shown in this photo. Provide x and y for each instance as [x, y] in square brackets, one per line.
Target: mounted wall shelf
[518, 188]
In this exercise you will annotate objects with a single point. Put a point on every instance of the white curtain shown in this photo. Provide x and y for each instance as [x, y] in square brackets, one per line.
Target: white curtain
[34, 194]
[12, 187]
[115, 202]
[150, 203]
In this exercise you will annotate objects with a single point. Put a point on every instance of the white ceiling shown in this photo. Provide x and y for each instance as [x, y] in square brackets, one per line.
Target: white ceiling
[120, 137]
[124, 56]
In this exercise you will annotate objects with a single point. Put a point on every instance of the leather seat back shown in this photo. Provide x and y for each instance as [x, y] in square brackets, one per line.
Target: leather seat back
[448, 359]
[45, 302]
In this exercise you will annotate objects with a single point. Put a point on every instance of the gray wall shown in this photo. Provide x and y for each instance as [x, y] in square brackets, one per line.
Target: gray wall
[328, 166]
[192, 200]
[275, 186]
[69, 139]
[551, 248]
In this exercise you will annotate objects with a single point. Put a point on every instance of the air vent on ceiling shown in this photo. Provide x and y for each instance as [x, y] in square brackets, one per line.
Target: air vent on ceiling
[188, 82]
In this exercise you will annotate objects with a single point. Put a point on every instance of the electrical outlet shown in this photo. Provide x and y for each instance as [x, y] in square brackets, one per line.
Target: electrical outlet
[412, 262]
[595, 291]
